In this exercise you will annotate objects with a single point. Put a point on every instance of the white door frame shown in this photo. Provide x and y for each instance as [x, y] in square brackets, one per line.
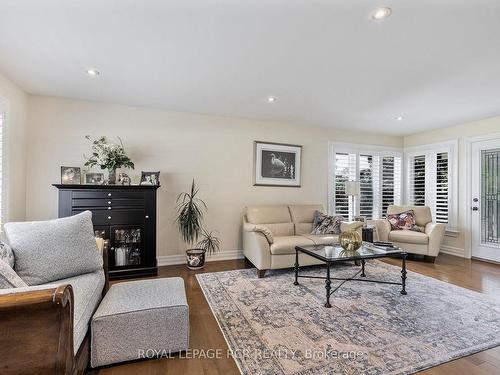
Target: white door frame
[468, 187]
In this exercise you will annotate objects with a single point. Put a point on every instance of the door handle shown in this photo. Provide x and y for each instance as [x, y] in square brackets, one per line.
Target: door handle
[475, 208]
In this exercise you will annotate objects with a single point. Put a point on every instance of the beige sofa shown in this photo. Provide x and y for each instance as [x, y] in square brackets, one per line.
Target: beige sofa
[427, 243]
[271, 232]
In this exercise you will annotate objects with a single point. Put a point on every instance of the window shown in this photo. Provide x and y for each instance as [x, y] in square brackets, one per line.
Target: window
[378, 171]
[431, 180]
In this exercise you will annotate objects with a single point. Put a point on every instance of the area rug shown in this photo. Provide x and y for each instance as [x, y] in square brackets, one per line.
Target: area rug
[274, 327]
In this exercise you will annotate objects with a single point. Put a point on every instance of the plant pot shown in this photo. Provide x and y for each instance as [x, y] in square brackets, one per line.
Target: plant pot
[195, 258]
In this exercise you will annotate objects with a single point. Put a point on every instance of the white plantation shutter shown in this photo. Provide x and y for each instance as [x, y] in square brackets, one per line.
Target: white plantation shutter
[430, 174]
[416, 180]
[345, 170]
[391, 182]
[441, 208]
[379, 176]
[369, 182]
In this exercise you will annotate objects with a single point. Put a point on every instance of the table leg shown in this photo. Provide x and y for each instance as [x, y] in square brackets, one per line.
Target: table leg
[328, 284]
[403, 275]
[363, 268]
[296, 282]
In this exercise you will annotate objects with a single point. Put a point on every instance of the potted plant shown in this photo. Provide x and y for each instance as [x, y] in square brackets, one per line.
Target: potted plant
[189, 219]
[108, 156]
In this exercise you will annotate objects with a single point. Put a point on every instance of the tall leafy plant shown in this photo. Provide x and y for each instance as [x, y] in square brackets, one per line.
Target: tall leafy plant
[190, 210]
[209, 242]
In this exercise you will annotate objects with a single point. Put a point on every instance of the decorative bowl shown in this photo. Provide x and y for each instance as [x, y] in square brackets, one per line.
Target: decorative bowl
[350, 240]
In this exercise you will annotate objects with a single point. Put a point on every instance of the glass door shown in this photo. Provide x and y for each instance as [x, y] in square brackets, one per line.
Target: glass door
[485, 210]
[127, 246]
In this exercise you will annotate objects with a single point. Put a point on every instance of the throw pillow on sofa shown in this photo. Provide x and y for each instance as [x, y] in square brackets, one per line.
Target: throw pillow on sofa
[404, 221]
[6, 254]
[9, 278]
[325, 224]
[51, 250]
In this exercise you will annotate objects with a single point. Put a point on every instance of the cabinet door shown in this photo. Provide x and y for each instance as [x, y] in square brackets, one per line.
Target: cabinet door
[127, 246]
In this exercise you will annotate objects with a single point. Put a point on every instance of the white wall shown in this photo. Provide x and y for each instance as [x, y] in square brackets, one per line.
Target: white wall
[216, 151]
[15, 101]
[460, 132]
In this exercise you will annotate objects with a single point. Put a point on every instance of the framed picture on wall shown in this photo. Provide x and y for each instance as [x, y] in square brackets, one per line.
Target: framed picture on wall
[71, 176]
[277, 164]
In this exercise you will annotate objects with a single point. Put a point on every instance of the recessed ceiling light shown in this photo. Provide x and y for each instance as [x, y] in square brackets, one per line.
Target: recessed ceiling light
[93, 72]
[271, 99]
[399, 118]
[381, 13]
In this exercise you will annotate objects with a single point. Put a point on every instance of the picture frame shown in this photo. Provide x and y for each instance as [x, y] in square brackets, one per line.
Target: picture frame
[150, 178]
[71, 175]
[277, 164]
[92, 178]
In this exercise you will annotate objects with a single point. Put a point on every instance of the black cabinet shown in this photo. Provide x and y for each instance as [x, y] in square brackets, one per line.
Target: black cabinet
[123, 215]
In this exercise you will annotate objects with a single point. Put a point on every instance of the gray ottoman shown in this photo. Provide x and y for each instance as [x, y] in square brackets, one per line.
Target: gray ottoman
[138, 318]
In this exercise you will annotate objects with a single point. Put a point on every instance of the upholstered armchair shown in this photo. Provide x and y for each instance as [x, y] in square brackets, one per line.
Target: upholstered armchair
[44, 323]
[426, 243]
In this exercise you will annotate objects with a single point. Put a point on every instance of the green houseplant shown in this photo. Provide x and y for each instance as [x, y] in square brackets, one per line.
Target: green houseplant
[190, 211]
[108, 156]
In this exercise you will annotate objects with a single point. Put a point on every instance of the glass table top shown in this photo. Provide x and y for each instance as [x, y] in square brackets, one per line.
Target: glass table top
[335, 252]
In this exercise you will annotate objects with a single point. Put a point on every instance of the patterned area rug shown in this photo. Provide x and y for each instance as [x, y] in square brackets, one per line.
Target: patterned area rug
[274, 327]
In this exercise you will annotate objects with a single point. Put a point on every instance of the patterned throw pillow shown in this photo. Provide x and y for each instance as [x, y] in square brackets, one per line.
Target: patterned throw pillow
[6, 254]
[324, 224]
[404, 221]
[9, 278]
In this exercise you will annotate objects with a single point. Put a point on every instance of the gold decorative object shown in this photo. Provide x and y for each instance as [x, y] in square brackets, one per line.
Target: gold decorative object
[350, 240]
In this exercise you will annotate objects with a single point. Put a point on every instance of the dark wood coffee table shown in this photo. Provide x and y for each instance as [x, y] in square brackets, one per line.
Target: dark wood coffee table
[335, 254]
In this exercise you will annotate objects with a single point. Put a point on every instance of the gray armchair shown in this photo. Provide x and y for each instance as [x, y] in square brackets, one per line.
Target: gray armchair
[427, 243]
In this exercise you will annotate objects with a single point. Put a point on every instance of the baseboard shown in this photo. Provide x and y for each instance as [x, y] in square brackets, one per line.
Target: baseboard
[168, 260]
[451, 250]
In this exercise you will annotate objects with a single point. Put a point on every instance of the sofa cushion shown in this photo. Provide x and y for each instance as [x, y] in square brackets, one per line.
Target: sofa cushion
[281, 229]
[9, 278]
[422, 213]
[303, 216]
[6, 254]
[322, 239]
[286, 244]
[268, 214]
[87, 292]
[304, 213]
[303, 228]
[408, 236]
[56, 249]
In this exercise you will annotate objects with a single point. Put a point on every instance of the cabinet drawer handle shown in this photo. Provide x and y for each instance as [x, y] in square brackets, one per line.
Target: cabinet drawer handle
[109, 208]
[147, 216]
[109, 217]
[109, 194]
[109, 202]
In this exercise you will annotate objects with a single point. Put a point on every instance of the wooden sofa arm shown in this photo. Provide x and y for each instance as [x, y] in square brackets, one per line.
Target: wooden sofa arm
[36, 331]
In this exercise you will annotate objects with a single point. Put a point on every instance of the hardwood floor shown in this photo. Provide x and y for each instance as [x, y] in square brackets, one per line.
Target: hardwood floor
[205, 333]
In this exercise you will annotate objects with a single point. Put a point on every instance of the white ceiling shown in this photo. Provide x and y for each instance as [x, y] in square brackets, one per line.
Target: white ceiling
[436, 62]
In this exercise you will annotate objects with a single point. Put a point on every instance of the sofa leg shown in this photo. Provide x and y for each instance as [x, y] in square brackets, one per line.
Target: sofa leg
[260, 273]
[429, 259]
